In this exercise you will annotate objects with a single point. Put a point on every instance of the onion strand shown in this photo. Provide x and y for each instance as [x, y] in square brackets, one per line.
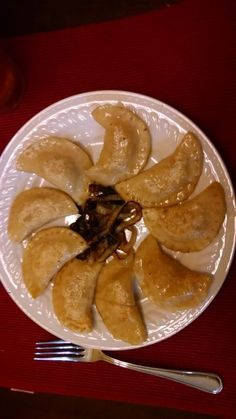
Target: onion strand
[104, 220]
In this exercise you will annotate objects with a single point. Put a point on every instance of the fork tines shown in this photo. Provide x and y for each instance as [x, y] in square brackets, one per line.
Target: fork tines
[55, 350]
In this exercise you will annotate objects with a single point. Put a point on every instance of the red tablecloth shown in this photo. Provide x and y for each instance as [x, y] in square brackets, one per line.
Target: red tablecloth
[185, 56]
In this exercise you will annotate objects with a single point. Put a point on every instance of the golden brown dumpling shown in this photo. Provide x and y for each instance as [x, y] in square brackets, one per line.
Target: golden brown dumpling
[191, 225]
[35, 207]
[166, 281]
[116, 304]
[73, 293]
[171, 180]
[47, 251]
[60, 162]
[126, 146]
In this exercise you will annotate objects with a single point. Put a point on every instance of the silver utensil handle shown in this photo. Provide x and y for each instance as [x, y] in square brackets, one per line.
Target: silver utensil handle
[209, 382]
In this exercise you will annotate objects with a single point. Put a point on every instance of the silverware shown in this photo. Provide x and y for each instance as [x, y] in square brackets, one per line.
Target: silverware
[59, 350]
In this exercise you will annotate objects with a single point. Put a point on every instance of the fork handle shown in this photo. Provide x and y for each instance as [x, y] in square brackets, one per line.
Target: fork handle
[209, 382]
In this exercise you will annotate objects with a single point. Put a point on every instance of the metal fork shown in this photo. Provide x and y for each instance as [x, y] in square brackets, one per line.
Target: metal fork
[59, 350]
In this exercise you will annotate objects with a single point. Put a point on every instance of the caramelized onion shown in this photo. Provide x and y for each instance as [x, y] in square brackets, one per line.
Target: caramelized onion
[103, 220]
[125, 245]
[125, 258]
[130, 214]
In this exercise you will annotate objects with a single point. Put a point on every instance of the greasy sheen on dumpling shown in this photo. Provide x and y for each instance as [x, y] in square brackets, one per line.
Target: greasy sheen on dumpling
[60, 162]
[116, 304]
[171, 180]
[166, 281]
[46, 252]
[73, 292]
[34, 207]
[192, 225]
[126, 147]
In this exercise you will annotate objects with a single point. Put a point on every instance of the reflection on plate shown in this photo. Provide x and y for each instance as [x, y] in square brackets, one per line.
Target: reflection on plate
[71, 118]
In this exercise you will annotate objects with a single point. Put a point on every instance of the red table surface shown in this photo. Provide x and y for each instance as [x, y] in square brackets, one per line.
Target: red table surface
[183, 55]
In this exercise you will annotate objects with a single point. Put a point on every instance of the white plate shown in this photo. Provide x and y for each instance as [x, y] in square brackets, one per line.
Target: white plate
[72, 118]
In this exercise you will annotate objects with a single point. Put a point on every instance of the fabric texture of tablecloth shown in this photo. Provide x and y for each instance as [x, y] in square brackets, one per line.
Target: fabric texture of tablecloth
[185, 56]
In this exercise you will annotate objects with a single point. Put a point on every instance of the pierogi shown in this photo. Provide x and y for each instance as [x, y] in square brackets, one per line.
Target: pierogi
[60, 162]
[167, 282]
[171, 180]
[116, 303]
[46, 252]
[192, 225]
[73, 292]
[33, 208]
[126, 146]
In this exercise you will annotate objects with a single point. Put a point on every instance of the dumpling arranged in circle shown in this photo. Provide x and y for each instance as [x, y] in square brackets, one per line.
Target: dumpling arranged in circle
[192, 225]
[60, 162]
[73, 293]
[171, 180]
[35, 207]
[166, 281]
[116, 303]
[46, 252]
[126, 147]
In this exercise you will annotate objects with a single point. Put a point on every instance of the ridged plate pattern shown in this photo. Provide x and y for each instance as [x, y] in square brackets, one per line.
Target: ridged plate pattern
[71, 118]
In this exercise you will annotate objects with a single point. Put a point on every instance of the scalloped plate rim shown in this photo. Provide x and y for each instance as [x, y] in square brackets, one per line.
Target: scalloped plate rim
[68, 102]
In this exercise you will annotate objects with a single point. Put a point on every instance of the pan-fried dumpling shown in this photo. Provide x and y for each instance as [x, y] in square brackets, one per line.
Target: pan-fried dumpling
[171, 180]
[116, 304]
[126, 145]
[47, 251]
[73, 292]
[166, 281]
[60, 162]
[191, 225]
[35, 207]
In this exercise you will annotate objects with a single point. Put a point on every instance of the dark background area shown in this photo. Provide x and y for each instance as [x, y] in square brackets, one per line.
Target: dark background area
[15, 405]
[25, 16]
